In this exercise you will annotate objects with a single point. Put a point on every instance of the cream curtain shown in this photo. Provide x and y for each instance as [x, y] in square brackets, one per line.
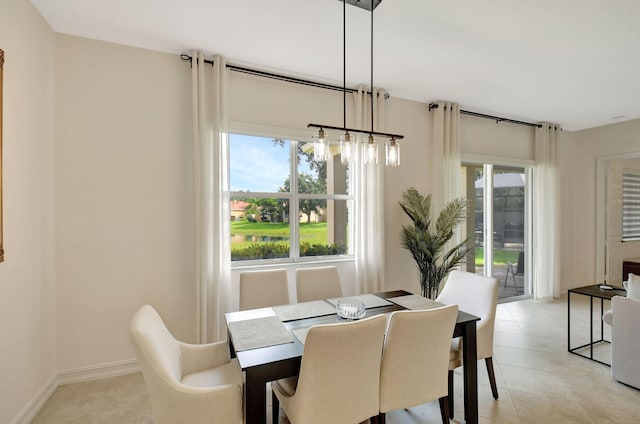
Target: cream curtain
[546, 269]
[210, 138]
[444, 153]
[369, 195]
[444, 159]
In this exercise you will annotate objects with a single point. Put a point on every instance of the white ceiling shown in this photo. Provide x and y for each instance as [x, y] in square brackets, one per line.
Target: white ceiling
[572, 62]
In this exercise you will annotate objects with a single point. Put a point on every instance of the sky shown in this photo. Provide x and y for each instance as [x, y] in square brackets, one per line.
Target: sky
[257, 165]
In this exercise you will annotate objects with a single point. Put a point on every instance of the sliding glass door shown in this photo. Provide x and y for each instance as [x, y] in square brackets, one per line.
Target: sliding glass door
[498, 220]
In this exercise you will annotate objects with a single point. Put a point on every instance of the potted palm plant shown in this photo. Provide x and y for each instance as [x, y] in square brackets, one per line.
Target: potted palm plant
[427, 241]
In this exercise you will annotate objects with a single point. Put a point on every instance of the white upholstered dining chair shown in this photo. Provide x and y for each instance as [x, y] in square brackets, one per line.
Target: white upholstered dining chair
[187, 383]
[477, 295]
[339, 375]
[260, 289]
[318, 283]
[415, 360]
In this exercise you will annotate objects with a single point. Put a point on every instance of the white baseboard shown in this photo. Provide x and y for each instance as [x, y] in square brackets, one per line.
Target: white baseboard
[32, 408]
[98, 372]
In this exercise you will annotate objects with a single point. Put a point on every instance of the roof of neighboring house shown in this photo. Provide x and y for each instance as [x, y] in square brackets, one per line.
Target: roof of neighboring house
[238, 205]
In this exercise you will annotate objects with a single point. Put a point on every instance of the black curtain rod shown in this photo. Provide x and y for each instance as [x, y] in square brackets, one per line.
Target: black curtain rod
[185, 57]
[286, 78]
[493, 118]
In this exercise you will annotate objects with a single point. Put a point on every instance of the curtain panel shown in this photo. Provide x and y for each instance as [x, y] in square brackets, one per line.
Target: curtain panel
[444, 163]
[546, 251]
[212, 238]
[444, 160]
[369, 195]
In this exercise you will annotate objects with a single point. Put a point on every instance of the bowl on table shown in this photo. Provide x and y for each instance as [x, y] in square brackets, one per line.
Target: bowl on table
[350, 308]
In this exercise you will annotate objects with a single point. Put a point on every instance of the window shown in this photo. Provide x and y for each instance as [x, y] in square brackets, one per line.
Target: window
[630, 206]
[284, 205]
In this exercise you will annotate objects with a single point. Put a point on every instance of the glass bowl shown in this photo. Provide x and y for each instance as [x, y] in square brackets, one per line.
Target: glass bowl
[351, 308]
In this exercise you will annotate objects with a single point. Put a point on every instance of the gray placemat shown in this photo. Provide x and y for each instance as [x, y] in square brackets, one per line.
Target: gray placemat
[370, 300]
[301, 333]
[259, 332]
[415, 302]
[303, 310]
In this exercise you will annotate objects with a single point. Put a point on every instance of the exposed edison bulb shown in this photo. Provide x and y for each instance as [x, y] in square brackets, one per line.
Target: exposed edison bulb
[320, 147]
[371, 152]
[346, 149]
[393, 152]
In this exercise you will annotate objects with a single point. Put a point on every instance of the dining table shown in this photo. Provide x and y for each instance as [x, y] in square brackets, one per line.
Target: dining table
[269, 342]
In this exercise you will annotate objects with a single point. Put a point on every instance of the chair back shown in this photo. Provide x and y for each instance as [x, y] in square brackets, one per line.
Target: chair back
[477, 295]
[158, 354]
[260, 289]
[415, 359]
[340, 372]
[318, 283]
[520, 267]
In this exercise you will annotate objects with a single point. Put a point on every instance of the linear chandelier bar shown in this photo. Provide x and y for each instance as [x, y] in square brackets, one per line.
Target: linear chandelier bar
[353, 130]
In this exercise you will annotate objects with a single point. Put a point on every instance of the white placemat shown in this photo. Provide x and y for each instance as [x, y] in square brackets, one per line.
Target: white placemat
[303, 310]
[259, 332]
[415, 302]
[370, 300]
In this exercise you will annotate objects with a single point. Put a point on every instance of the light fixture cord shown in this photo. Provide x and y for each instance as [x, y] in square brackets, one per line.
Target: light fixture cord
[372, 2]
[344, 63]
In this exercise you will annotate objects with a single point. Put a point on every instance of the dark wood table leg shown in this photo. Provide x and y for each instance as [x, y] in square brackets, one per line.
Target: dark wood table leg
[255, 397]
[255, 387]
[470, 372]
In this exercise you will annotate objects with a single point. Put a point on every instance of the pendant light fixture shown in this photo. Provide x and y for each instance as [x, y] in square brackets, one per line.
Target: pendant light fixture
[347, 141]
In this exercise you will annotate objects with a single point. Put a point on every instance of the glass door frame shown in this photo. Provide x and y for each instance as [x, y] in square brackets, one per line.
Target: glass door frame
[488, 166]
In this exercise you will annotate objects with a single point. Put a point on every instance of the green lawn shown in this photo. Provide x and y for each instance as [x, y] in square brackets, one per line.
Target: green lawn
[314, 232]
[500, 257]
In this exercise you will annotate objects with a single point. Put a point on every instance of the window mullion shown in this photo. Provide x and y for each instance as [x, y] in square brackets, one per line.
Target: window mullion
[294, 227]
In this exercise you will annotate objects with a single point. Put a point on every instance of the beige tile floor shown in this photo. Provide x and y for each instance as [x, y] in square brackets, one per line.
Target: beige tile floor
[538, 380]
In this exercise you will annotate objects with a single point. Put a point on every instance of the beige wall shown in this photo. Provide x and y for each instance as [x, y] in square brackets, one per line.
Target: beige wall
[577, 164]
[27, 292]
[123, 192]
[124, 196]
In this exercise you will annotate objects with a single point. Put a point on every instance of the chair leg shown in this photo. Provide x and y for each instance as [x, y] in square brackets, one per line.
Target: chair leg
[381, 418]
[492, 377]
[275, 408]
[444, 409]
[450, 390]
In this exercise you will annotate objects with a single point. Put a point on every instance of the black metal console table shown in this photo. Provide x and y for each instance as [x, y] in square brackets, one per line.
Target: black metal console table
[593, 291]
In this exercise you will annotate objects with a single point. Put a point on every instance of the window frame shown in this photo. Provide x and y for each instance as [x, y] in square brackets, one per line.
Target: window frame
[293, 137]
[630, 211]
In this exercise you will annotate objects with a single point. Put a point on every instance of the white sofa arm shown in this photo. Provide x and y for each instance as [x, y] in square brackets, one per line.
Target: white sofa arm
[625, 340]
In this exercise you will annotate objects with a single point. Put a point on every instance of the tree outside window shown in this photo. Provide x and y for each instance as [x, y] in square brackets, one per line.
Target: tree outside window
[277, 217]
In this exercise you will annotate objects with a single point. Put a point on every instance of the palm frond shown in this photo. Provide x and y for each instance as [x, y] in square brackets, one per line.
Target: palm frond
[427, 245]
[417, 207]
